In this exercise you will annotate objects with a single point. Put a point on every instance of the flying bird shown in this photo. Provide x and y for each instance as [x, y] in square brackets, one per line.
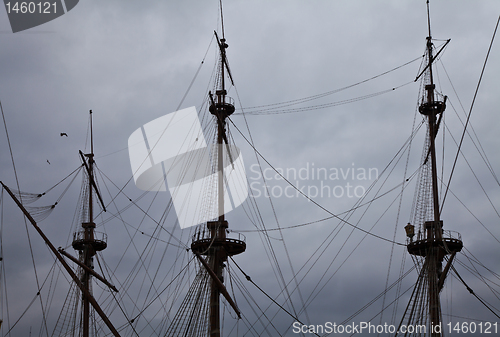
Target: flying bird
[48, 161]
[64, 134]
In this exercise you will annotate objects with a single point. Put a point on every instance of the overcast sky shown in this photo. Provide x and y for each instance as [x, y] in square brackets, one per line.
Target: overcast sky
[133, 61]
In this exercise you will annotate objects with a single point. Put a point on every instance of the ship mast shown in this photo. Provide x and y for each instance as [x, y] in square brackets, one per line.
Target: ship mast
[431, 109]
[221, 107]
[200, 312]
[87, 244]
[432, 243]
[85, 240]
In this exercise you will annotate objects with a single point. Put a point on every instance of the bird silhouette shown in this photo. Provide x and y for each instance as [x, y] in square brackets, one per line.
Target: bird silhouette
[64, 134]
[48, 161]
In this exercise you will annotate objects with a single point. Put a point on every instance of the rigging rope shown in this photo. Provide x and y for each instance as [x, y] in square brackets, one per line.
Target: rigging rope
[480, 149]
[473, 270]
[309, 98]
[143, 211]
[308, 198]
[470, 112]
[379, 296]
[480, 263]
[25, 222]
[332, 216]
[271, 249]
[267, 295]
[143, 263]
[472, 291]
[273, 111]
[396, 226]
[161, 292]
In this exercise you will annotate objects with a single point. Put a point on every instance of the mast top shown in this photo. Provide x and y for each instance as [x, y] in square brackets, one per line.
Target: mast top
[428, 21]
[91, 155]
[222, 20]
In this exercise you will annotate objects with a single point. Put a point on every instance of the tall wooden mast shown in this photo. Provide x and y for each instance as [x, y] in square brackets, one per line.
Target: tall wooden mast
[200, 312]
[432, 243]
[431, 109]
[85, 241]
[217, 247]
[87, 244]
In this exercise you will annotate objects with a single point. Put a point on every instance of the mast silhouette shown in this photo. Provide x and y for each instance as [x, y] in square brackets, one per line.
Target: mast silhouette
[218, 247]
[432, 244]
[200, 312]
[84, 241]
